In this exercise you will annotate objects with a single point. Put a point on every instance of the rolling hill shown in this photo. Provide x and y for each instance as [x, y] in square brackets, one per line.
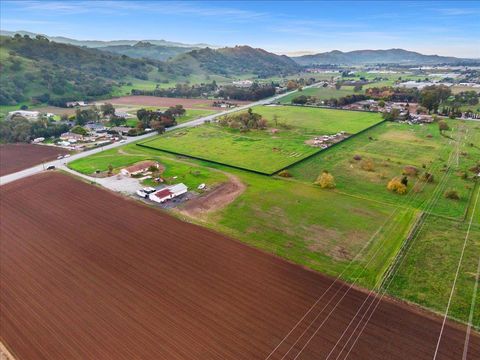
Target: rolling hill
[147, 50]
[46, 70]
[40, 70]
[363, 57]
[236, 60]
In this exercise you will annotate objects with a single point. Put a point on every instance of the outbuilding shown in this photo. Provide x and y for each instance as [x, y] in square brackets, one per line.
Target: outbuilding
[168, 193]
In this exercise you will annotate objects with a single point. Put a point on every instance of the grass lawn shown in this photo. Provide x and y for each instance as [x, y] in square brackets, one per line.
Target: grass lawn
[427, 273]
[319, 92]
[390, 147]
[256, 150]
[319, 121]
[190, 174]
[263, 151]
[192, 114]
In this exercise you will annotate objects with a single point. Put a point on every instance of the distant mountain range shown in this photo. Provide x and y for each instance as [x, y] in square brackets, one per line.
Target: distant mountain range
[147, 50]
[99, 43]
[365, 57]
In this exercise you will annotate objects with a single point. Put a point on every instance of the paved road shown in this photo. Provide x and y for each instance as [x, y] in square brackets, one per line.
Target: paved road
[59, 163]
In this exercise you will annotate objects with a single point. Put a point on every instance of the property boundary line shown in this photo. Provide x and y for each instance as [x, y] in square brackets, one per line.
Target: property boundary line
[406, 244]
[144, 145]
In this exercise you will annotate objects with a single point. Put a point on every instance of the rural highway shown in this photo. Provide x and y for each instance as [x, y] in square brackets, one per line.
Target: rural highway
[61, 162]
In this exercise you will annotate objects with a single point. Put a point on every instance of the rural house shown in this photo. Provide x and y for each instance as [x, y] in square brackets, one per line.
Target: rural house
[138, 168]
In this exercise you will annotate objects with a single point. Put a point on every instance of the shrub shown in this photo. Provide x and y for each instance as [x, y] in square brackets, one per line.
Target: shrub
[325, 180]
[395, 185]
[285, 173]
[79, 130]
[152, 168]
[368, 165]
[410, 170]
[451, 194]
[443, 126]
[357, 157]
[475, 169]
[427, 177]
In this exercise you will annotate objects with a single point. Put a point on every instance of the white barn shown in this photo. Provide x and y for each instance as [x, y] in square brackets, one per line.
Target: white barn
[168, 193]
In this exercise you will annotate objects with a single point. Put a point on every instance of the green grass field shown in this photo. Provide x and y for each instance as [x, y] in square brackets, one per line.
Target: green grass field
[390, 147]
[256, 150]
[319, 92]
[427, 273]
[263, 151]
[319, 121]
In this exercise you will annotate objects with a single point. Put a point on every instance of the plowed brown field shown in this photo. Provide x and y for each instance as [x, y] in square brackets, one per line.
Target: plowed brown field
[165, 102]
[86, 274]
[16, 157]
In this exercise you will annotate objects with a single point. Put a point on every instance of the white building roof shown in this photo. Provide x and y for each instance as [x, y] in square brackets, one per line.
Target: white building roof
[178, 188]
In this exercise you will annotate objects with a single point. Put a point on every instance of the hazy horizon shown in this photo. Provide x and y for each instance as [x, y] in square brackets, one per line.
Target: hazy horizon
[442, 28]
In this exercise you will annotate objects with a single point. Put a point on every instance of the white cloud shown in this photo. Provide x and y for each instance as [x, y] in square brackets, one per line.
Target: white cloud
[27, 22]
[458, 11]
[126, 8]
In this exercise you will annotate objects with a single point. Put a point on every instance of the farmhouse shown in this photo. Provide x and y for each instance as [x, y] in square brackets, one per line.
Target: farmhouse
[76, 103]
[138, 168]
[71, 137]
[122, 114]
[30, 115]
[123, 130]
[95, 127]
[168, 193]
[242, 83]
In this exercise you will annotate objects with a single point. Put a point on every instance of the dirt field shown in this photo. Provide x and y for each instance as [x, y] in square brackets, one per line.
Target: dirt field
[165, 102]
[215, 200]
[16, 157]
[86, 274]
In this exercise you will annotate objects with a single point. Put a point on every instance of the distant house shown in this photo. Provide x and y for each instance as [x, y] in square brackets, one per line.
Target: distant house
[138, 168]
[122, 114]
[71, 104]
[242, 83]
[168, 193]
[426, 119]
[95, 127]
[38, 140]
[71, 137]
[120, 129]
[30, 115]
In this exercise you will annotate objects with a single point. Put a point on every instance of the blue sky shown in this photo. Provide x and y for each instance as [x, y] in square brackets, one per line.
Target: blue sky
[290, 27]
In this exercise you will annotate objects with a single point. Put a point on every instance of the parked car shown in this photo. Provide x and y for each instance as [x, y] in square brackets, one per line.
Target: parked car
[60, 157]
[145, 192]
[66, 156]
[51, 167]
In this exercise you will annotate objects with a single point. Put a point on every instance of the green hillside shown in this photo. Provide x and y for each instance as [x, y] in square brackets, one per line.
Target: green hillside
[236, 61]
[45, 71]
[146, 50]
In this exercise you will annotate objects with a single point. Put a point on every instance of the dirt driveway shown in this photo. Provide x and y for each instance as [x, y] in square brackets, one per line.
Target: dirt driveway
[214, 200]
